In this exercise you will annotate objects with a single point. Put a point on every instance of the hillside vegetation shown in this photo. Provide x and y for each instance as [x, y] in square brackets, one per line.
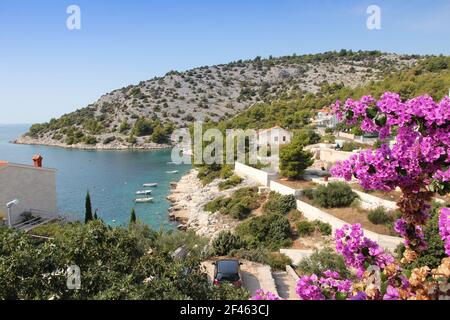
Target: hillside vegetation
[293, 110]
[144, 115]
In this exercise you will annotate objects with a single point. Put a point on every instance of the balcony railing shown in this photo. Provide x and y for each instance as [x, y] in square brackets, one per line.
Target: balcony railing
[37, 218]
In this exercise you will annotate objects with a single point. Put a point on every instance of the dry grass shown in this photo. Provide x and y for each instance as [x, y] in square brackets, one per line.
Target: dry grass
[297, 184]
[386, 195]
[392, 195]
[354, 215]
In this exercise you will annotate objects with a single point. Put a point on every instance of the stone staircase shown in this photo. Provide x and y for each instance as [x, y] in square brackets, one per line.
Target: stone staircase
[285, 285]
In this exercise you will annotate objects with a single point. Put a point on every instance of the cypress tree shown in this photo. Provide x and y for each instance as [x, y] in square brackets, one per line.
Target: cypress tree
[132, 217]
[88, 214]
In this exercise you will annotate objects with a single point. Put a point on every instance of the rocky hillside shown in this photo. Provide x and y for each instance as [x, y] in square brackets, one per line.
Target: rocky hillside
[143, 115]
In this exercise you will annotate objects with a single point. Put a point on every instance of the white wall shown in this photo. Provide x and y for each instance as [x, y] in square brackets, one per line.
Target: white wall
[274, 136]
[369, 201]
[256, 175]
[284, 190]
[35, 188]
[331, 155]
[312, 213]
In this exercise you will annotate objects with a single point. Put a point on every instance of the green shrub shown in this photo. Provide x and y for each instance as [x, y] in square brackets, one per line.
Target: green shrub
[350, 146]
[322, 227]
[272, 231]
[304, 228]
[239, 205]
[228, 291]
[334, 195]
[308, 193]
[90, 140]
[278, 203]
[239, 211]
[379, 216]
[294, 160]
[142, 127]
[276, 260]
[108, 140]
[224, 243]
[216, 204]
[320, 261]
[230, 182]
[328, 138]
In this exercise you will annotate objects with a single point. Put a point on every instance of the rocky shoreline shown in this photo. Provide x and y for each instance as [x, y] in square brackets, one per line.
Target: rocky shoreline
[189, 196]
[113, 146]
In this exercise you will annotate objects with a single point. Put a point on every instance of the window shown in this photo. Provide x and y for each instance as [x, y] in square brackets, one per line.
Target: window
[284, 138]
[275, 139]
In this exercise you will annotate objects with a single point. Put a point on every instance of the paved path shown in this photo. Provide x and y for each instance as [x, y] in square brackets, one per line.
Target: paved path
[285, 285]
[255, 276]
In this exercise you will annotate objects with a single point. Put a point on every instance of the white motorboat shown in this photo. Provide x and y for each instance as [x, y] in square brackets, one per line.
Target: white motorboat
[143, 192]
[154, 184]
[144, 200]
[171, 172]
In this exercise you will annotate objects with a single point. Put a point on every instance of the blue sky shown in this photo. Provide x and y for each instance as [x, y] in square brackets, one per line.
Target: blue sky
[47, 70]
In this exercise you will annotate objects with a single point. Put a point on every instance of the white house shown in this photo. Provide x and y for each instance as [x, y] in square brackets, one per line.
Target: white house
[326, 119]
[34, 189]
[275, 135]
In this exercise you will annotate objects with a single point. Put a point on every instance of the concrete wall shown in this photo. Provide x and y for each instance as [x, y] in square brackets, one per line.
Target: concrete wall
[256, 175]
[284, 190]
[331, 155]
[296, 255]
[312, 213]
[369, 201]
[35, 188]
[359, 139]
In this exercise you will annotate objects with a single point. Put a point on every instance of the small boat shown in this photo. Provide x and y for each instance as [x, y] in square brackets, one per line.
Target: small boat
[143, 192]
[143, 200]
[174, 171]
[154, 184]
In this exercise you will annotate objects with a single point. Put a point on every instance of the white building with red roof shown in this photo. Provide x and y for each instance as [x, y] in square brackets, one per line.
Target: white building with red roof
[27, 194]
[274, 136]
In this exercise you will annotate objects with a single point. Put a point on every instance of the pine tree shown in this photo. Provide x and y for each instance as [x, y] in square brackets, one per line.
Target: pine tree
[88, 214]
[132, 217]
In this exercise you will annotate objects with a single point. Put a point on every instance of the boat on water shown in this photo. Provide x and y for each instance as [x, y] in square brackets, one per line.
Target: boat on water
[154, 184]
[143, 200]
[143, 192]
[174, 171]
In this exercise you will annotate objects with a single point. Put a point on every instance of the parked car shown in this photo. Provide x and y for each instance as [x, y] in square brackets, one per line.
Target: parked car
[228, 270]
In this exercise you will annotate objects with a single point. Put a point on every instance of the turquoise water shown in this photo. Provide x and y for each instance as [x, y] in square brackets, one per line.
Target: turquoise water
[112, 178]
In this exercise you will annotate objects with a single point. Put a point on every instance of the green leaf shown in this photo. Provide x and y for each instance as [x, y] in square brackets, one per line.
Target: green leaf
[372, 112]
[380, 120]
[341, 296]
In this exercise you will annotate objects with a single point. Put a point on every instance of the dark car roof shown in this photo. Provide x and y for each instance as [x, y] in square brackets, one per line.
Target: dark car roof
[227, 266]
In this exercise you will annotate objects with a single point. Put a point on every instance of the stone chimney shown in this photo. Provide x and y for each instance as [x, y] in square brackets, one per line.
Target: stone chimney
[37, 161]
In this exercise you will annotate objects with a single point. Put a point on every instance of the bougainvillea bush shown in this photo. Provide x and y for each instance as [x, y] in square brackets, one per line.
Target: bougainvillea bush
[417, 163]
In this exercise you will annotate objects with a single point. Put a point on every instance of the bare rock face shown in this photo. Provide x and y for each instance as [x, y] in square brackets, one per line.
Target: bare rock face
[213, 92]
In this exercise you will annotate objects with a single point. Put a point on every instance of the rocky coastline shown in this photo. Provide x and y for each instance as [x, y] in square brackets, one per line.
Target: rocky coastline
[113, 146]
[189, 196]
